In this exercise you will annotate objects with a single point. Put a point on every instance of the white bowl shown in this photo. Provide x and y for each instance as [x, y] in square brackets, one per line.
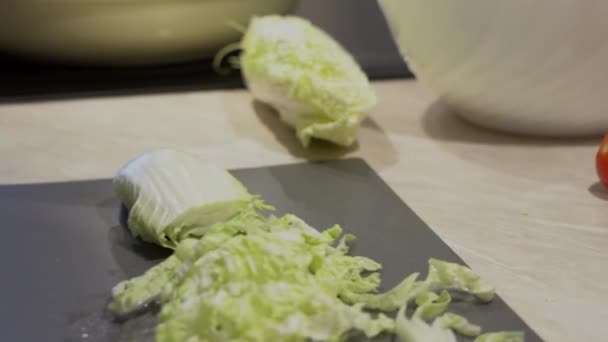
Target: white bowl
[125, 32]
[533, 67]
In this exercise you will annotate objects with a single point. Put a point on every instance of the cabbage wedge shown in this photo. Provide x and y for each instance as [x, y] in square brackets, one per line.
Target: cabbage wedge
[172, 195]
[316, 86]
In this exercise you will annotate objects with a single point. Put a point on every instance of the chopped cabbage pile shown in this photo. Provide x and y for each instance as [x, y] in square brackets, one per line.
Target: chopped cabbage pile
[247, 275]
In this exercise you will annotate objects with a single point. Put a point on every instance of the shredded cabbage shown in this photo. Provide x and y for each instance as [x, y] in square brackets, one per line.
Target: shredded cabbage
[391, 300]
[310, 79]
[503, 336]
[274, 279]
[238, 274]
[459, 324]
[431, 305]
[255, 277]
[448, 275]
[417, 330]
[441, 330]
[441, 275]
[134, 294]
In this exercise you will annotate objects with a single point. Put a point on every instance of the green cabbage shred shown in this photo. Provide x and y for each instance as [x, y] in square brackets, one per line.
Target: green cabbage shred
[503, 336]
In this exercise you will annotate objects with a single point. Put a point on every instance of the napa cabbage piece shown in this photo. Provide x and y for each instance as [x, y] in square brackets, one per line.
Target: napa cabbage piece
[172, 195]
[316, 86]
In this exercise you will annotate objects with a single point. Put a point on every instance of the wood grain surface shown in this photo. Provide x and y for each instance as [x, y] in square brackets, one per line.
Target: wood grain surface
[525, 213]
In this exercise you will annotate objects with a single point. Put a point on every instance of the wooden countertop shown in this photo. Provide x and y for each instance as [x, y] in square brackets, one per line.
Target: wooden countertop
[527, 214]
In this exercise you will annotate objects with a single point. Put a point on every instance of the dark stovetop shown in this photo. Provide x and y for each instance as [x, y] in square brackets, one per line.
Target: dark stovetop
[358, 25]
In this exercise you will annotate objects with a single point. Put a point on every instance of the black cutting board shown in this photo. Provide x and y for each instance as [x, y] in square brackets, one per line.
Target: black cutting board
[65, 247]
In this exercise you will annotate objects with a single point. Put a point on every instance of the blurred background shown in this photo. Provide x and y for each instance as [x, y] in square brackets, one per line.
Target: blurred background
[358, 25]
[526, 68]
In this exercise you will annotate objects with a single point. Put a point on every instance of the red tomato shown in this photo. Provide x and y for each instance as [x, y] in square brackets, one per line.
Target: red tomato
[601, 161]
